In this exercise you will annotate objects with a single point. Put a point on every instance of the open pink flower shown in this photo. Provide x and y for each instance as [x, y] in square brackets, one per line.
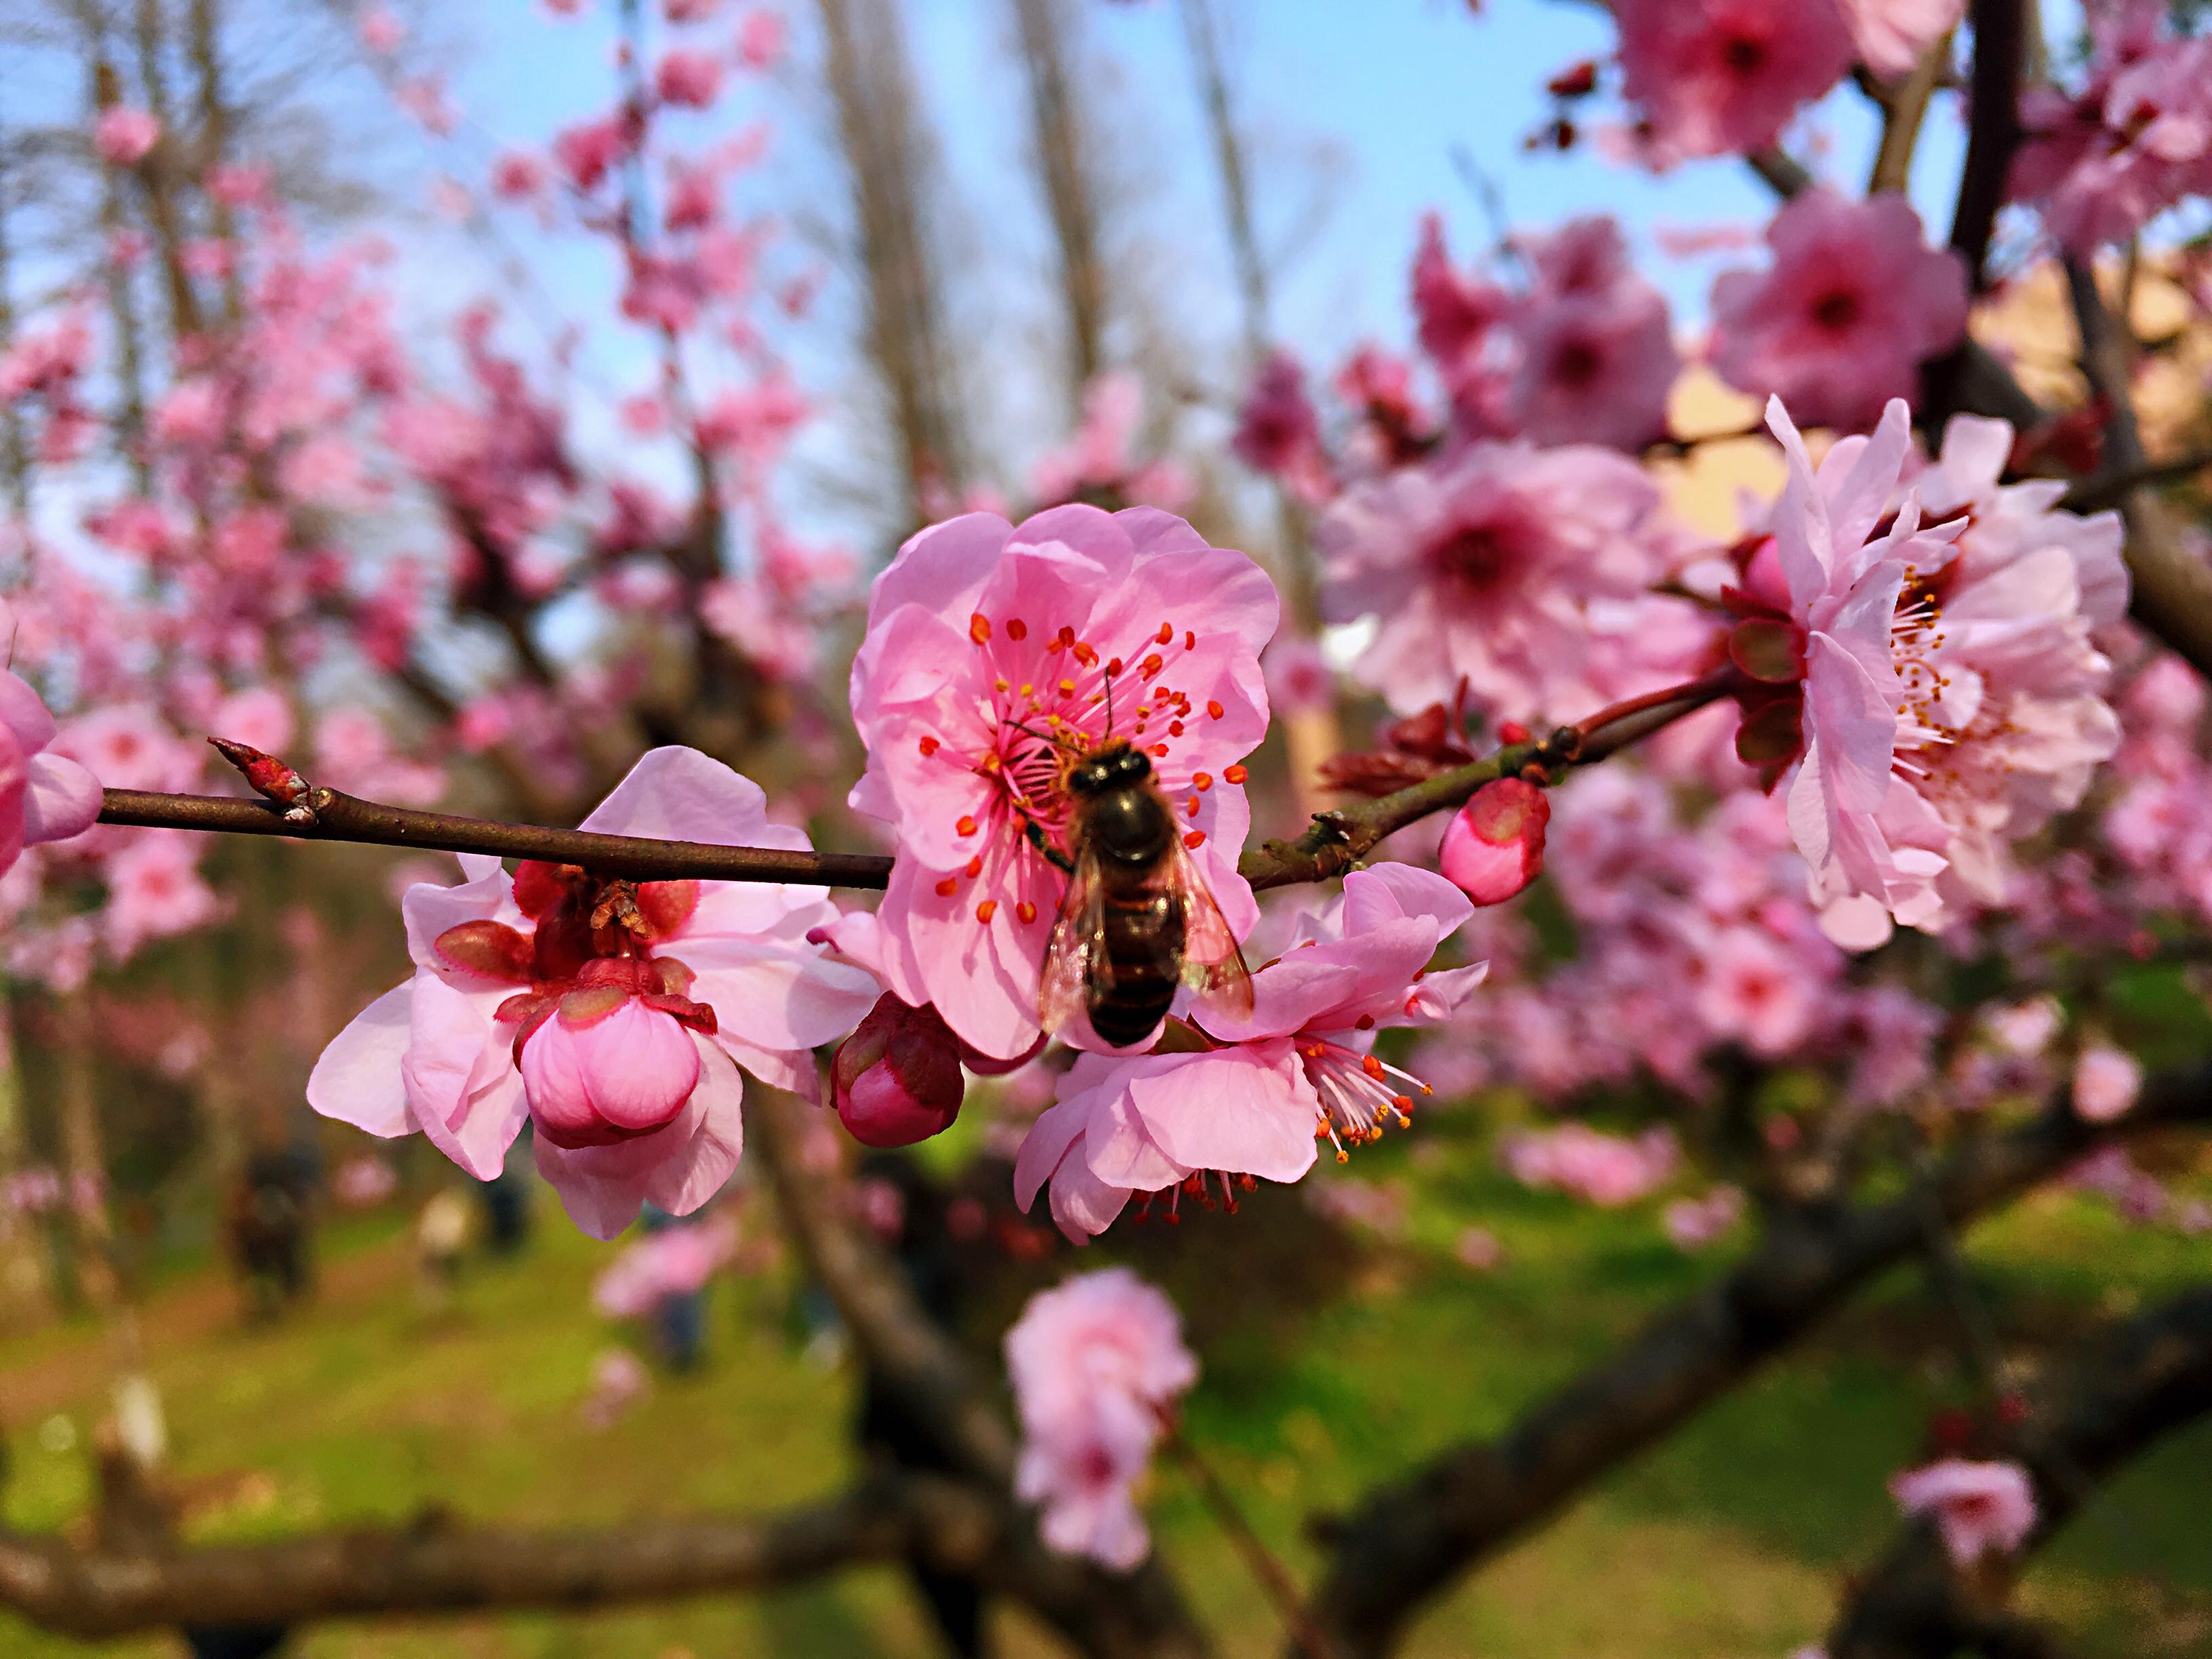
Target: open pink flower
[1251, 1107]
[1875, 846]
[1952, 691]
[43, 797]
[124, 136]
[1711, 77]
[1595, 354]
[614, 1015]
[2133, 139]
[1854, 301]
[991, 648]
[1482, 566]
[673, 1262]
[1979, 1507]
[1094, 1362]
[2107, 1081]
[1891, 34]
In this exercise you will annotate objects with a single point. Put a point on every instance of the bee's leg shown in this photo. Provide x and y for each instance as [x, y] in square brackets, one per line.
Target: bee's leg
[1035, 832]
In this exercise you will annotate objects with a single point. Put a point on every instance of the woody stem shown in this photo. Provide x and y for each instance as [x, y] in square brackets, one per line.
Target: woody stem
[1274, 1579]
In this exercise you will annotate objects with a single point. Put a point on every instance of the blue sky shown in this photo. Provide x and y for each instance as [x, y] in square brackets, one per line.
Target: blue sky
[1357, 108]
[1389, 91]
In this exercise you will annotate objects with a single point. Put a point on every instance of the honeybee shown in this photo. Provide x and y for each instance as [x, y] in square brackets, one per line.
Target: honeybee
[1137, 920]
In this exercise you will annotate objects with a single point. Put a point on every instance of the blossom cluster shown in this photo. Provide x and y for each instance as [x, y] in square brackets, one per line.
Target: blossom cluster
[1096, 1363]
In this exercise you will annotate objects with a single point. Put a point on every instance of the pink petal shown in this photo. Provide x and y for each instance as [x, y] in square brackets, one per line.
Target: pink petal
[357, 1079]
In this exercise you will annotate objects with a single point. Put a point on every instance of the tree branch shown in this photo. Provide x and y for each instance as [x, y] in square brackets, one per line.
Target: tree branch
[342, 818]
[2129, 1387]
[1336, 841]
[1999, 57]
[1139, 1615]
[1410, 1539]
[2173, 585]
[441, 1568]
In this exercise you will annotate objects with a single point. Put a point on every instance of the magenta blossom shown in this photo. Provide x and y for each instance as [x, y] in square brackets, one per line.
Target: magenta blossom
[1854, 302]
[1483, 565]
[1980, 1508]
[1095, 1364]
[43, 797]
[995, 651]
[1712, 77]
[1595, 352]
[614, 1015]
[1251, 1105]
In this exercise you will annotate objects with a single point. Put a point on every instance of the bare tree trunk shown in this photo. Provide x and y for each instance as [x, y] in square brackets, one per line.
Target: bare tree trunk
[122, 303]
[1310, 736]
[139, 1430]
[205, 47]
[15, 455]
[888, 160]
[1063, 157]
[159, 174]
[26, 1292]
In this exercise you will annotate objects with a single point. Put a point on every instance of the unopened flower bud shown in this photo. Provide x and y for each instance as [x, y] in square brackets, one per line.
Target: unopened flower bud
[1495, 845]
[897, 1080]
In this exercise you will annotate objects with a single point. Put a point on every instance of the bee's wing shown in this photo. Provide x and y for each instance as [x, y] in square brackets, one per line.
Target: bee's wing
[1212, 965]
[1070, 954]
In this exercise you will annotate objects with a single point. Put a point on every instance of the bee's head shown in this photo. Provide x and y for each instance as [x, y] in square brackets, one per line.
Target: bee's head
[1110, 769]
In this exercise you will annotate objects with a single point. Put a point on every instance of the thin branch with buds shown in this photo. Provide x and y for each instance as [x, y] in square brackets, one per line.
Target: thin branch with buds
[1337, 840]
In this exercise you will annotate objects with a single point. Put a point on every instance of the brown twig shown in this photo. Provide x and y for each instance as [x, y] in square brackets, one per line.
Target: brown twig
[1335, 843]
[1999, 57]
[344, 817]
[2111, 488]
[1274, 1579]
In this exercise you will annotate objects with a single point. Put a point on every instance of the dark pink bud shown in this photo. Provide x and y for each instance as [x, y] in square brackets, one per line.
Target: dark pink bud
[897, 1080]
[269, 776]
[1495, 846]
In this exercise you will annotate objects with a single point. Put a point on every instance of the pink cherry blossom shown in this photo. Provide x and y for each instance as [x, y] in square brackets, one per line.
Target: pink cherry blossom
[1094, 1362]
[1695, 1223]
[1980, 1508]
[622, 1041]
[1278, 431]
[1595, 352]
[155, 890]
[1709, 77]
[761, 33]
[689, 77]
[1250, 1107]
[1608, 1170]
[1875, 846]
[1483, 565]
[619, 1381]
[673, 1262]
[43, 797]
[1852, 304]
[2133, 139]
[2107, 1081]
[124, 136]
[1892, 34]
[979, 629]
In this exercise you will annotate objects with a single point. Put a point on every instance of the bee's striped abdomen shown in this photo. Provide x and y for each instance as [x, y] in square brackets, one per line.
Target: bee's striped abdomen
[1141, 944]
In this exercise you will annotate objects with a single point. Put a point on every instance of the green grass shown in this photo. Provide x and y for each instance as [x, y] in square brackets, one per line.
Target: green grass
[1328, 1363]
